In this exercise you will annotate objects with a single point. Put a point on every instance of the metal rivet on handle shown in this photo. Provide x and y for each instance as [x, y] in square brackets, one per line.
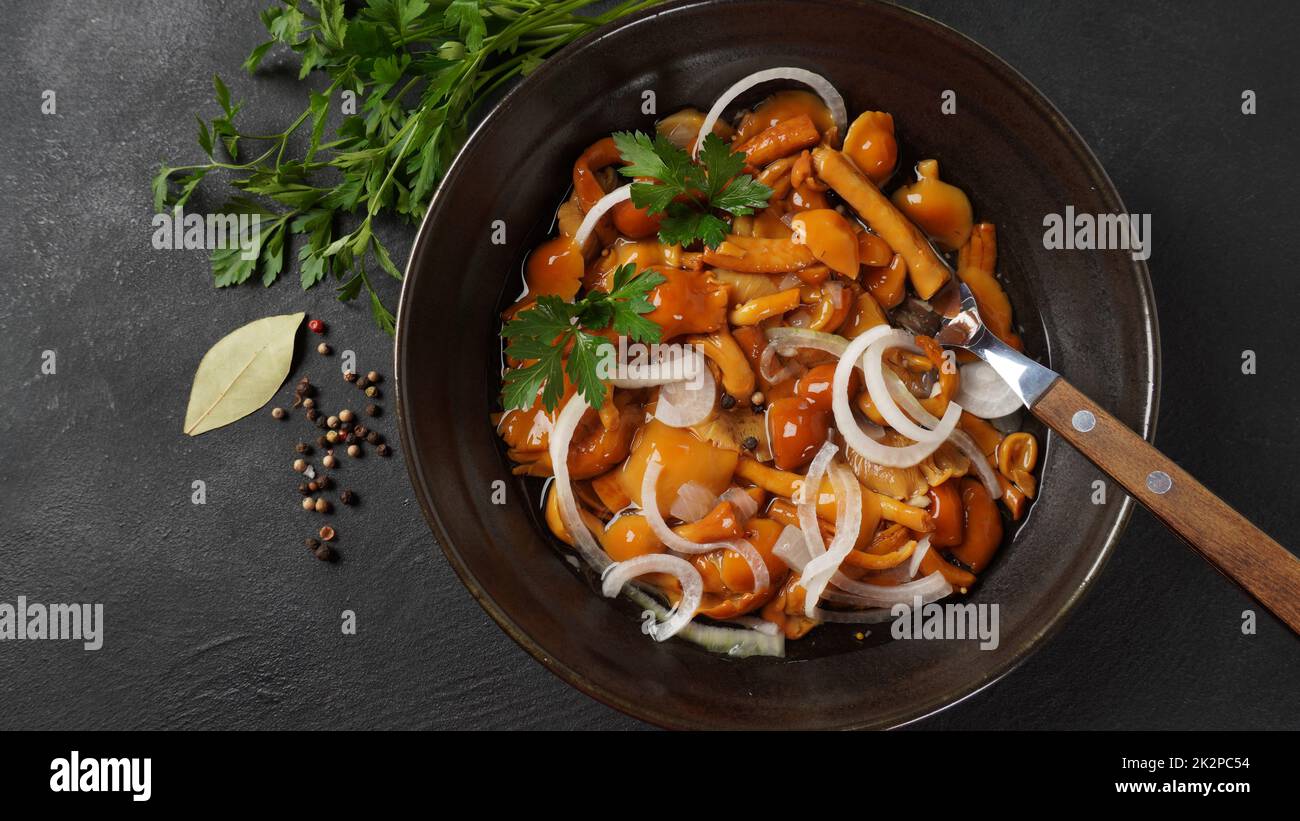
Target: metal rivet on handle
[1159, 482]
[1083, 421]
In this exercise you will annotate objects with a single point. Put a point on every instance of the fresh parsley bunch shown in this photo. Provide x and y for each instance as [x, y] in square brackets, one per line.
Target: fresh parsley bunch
[544, 332]
[414, 69]
[689, 193]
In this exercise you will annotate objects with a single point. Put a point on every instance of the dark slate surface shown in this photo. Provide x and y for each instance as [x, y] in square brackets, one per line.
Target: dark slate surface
[217, 618]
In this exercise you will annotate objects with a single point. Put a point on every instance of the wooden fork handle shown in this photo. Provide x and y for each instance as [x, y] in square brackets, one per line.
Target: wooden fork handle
[1235, 547]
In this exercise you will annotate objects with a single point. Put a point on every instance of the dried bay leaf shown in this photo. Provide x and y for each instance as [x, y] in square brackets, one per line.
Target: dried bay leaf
[241, 372]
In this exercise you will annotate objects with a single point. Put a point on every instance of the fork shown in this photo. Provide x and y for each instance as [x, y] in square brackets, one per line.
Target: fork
[1235, 547]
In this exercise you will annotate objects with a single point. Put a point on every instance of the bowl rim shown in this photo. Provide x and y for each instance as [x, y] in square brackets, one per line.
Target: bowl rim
[1072, 139]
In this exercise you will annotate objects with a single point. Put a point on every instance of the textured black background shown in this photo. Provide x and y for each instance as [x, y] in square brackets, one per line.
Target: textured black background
[216, 616]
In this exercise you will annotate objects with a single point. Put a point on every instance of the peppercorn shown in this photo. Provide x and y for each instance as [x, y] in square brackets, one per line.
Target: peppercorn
[374, 438]
[313, 486]
[322, 442]
[320, 423]
[361, 431]
[354, 451]
[329, 461]
[313, 415]
[384, 450]
[332, 436]
[316, 326]
[372, 392]
[311, 543]
[325, 482]
[309, 503]
[750, 443]
[347, 497]
[304, 490]
[373, 376]
[362, 382]
[302, 447]
[325, 553]
[323, 506]
[309, 403]
[372, 410]
[299, 465]
[728, 401]
[327, 533]
[345, 415]
[277, 413]
[757, 399]
[323, 348]
[349, 376]
[305, 388]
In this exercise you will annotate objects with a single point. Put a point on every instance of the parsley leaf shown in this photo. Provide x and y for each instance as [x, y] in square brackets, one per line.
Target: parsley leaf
[544, 334]
[686, 193]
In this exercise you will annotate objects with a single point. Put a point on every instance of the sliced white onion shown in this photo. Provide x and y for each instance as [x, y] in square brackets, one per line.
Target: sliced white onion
[848, 521]
[879, 390]
[855, 437]
[767, 628]
[620, 573]
[984, 393]
[818, 83]
[907, 401]
[744, 504]
[693, 502]
[565, 425]
[761, 641]
[835, 291]
[979, 461]
[661, 371]
[682, 404]
[905, 572]
[766, 361]
[597, 210]
[680, 544]
[931, 588]
[790, 338]
[810, 495]
[791, 548]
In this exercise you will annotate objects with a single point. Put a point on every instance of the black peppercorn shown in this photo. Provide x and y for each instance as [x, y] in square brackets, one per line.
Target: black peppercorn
[728, 401]
[349, 376]
[305, 490]
[312, 414]
[311, 543]
[374, 438]
[302, 447]
[322, 442]
[362, 382]
[325, 482]
[750, 443]
[384, 450]
[325, 553]
[361, 431]
[347, 497]
[372, 410]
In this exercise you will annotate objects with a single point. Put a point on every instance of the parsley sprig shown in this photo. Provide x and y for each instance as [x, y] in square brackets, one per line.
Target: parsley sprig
[402, 77]
[687, 193]
[553, 328]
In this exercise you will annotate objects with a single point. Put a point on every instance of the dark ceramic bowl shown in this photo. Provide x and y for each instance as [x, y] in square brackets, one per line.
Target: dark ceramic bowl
[1089, 314]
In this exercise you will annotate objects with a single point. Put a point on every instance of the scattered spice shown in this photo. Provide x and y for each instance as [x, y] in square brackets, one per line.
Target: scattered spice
[302, 447]
[354, 451]
[324, 348]
[361, 431]
[325, 482]
[332, 422]
[372, 392]
[349, 376]
[757, 399]
[313, 415]
[347, 497]
[313, 486]
[372, 410]
[316, 326]
[322, 442]
[374, 438]
[329, 461]
[385, 451]
[311, 543]
[750, 443]
[309, 503]
[325, 553]
[373, 376]
[728, 401]
[299, 465]
[332, 436]
[323, 506]
[277, 413]
[345, 415]
[362, 382]
[327, 533]
[305, 490]
[309, 403]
